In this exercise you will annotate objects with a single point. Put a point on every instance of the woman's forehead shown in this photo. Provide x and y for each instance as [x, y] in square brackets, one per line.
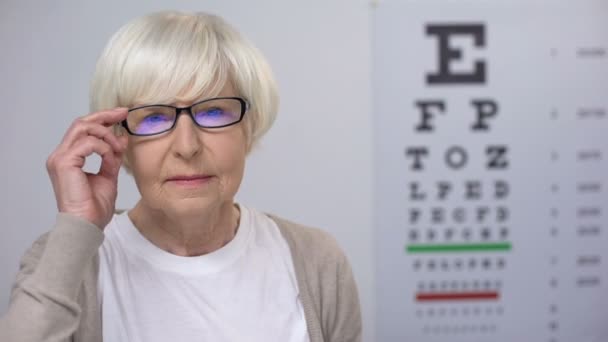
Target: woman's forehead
[189, 96]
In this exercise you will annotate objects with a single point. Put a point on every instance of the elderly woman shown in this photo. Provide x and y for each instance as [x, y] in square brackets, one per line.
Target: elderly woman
[179, 100]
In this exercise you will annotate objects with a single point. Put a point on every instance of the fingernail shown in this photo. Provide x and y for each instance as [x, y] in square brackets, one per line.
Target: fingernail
[120, 109]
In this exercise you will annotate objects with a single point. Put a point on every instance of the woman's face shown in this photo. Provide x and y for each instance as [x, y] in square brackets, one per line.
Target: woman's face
[189, 170]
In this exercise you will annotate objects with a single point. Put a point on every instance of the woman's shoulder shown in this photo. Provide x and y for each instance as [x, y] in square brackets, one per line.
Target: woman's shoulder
[309, 243]
[68, 233]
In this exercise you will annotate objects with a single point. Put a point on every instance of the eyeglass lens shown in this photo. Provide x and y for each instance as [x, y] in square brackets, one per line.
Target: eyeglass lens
[157, 119]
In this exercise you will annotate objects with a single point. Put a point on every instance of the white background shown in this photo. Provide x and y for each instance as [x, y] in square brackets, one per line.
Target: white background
[314, 166]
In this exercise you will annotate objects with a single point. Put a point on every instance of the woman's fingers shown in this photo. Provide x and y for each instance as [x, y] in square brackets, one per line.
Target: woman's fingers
[110, 165]
[110, 158]
[92, 134]
[83, 128]
[91, 197]
[98, 125]
[86, 146]
[107, 117]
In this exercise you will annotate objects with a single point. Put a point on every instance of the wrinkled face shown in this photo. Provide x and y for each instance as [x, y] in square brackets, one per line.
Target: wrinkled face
[189, 170]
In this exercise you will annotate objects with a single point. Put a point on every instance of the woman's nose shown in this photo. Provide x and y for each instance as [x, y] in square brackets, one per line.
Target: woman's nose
[186, 137]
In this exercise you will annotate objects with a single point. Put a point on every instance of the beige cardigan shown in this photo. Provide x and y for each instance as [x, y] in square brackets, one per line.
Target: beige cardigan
[54, 297]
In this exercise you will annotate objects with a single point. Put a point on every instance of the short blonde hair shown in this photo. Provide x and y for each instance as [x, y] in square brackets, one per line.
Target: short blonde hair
[171, 56]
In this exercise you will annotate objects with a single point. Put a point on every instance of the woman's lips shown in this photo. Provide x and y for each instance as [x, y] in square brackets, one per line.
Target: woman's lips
[189, 181]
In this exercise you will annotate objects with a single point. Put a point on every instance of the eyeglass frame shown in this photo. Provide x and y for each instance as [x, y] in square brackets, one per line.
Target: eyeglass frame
[179, 111]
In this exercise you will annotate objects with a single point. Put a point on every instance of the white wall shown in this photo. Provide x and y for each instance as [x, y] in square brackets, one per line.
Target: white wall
[315, 165]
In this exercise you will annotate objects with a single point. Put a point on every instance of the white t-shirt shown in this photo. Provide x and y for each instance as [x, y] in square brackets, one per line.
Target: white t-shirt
[245, 291]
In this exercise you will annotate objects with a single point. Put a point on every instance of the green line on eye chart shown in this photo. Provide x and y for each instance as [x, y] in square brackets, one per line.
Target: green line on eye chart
[460, 247]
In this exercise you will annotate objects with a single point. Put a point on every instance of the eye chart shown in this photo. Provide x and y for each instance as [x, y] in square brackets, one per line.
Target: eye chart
[491, 145]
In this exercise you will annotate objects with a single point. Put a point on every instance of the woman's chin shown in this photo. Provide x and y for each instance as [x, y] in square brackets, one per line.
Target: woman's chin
[192, 206]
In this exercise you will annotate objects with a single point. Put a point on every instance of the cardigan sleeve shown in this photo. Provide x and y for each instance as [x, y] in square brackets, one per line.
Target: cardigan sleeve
[44, 305]
[345, 325]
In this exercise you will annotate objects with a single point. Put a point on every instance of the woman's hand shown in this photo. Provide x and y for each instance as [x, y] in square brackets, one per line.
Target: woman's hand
[86, 195]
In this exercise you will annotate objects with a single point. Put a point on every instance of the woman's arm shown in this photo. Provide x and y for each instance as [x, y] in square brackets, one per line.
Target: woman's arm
[346, 324]
[43, 305]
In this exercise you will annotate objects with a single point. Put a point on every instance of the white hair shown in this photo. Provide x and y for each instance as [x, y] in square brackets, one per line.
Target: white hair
[171, 56]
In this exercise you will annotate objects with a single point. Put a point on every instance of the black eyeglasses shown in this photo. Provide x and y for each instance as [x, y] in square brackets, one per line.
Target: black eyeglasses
[211, 113]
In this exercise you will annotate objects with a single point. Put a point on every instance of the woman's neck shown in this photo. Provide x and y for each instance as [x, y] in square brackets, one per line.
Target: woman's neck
[187, 236]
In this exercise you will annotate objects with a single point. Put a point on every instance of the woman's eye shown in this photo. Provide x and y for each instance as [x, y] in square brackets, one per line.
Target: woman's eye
[156, 118]
[214, 111]
[211, 112]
